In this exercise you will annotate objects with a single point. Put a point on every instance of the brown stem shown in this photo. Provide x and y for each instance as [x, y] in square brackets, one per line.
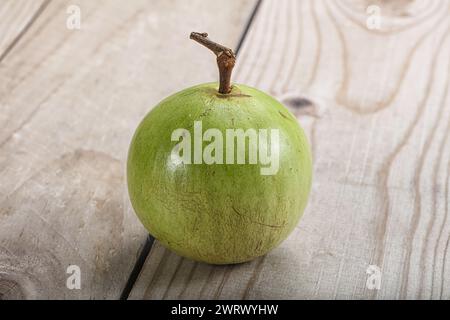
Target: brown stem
[225, 59]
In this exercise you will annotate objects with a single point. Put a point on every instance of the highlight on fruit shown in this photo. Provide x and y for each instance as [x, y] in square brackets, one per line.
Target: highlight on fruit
[219, 172]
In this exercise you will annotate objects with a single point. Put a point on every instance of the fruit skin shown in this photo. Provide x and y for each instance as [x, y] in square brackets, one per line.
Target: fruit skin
[219, 214]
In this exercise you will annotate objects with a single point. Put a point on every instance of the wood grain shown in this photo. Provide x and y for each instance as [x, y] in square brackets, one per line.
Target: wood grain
[376, 107]
[69, 103]
[16, 17]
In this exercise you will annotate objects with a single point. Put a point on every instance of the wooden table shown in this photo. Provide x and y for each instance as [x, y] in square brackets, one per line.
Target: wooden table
[373, 100]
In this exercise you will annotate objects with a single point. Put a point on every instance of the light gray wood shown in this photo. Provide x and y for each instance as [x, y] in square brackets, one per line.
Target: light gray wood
[70, 101]
[379, 127]
[16, 16]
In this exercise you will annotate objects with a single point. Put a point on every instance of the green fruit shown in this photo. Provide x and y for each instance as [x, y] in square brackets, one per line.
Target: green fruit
[218, 213]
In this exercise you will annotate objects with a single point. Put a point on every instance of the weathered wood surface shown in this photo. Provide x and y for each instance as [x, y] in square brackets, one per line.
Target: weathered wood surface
[379, 124]
[69, 103]
[16, 16]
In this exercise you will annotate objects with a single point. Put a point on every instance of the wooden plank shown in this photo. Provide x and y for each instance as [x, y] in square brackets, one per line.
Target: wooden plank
[16, 16]
[70, 101]
[375, 105]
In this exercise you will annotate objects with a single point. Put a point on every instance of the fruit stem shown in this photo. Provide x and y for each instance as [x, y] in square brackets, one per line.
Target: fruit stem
[225, 60]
